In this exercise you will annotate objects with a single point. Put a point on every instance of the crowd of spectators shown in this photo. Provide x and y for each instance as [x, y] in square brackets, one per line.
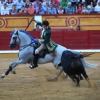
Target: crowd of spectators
[13, 7]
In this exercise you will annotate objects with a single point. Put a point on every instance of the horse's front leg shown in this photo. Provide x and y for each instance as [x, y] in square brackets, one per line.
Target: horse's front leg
[11, 66]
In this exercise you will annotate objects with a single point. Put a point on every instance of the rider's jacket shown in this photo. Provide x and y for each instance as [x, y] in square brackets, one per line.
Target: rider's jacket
[45, 38]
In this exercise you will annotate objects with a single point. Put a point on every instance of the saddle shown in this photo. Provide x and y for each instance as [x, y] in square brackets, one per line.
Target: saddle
[43, 52]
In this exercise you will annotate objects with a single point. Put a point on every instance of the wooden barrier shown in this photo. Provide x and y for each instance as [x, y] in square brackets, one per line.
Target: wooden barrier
[69, 39]
[65, 21]
[57, 21]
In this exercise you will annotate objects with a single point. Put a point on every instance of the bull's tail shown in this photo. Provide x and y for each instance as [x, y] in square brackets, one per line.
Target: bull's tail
[88, 65]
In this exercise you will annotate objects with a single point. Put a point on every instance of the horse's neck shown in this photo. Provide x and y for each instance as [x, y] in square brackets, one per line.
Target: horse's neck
[25, 39]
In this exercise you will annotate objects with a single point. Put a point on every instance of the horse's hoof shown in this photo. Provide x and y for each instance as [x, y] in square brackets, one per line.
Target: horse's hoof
[2, 77]
[53, 79]
[13, 71]
[77, 85]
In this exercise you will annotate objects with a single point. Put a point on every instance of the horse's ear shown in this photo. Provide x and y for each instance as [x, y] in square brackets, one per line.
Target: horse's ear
[16, 31]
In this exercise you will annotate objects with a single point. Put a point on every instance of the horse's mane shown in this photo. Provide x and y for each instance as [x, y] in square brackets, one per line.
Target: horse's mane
[31, 37]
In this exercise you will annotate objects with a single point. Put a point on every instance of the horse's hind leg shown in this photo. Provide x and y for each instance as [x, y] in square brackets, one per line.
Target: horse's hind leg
[56, 77]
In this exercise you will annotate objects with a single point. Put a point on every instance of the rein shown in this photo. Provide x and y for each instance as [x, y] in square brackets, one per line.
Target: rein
[24, 46]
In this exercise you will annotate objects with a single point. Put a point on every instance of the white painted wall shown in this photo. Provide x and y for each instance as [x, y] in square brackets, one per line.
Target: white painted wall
[37, 18]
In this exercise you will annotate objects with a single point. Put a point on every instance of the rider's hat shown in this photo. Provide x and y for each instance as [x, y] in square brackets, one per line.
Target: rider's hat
[45, 22]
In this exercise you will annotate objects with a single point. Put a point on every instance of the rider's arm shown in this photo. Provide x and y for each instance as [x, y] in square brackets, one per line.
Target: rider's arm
[38, 23]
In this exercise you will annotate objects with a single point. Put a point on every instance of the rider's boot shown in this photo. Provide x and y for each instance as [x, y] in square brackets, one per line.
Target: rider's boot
[34, 64]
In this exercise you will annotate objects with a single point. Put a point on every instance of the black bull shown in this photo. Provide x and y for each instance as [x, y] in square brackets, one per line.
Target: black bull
[73, 67]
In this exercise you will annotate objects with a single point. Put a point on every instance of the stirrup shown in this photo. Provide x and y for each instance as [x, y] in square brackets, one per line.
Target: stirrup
[31, 66]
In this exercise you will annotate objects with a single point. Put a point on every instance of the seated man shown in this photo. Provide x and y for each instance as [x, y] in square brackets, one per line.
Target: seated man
[5, 10]
[37, 28]
[97, 8]
[69, 9]
[45, 40]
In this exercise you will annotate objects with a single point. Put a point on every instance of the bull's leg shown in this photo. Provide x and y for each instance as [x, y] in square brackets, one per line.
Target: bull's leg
[81, 78]
[85, 75]
[74, 77]
[87, 79]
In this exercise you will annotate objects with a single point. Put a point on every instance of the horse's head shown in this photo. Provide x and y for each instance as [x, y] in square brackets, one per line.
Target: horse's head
[14, 39]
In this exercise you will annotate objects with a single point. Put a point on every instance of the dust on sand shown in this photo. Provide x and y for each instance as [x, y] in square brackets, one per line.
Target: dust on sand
[33, 84]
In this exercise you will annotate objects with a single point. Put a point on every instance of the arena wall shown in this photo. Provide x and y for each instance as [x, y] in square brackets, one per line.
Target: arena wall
[70, 39]
[86, 40]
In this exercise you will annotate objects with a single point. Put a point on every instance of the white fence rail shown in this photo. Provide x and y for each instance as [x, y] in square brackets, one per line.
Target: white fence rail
[16, 51]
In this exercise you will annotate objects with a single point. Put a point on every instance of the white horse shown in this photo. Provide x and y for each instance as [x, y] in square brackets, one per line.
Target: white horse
[26, 55]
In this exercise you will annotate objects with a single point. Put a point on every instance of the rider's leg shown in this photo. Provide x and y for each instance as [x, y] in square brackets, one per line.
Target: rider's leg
[34, 64]
[37, 54]
[36, 60]
[40, 48]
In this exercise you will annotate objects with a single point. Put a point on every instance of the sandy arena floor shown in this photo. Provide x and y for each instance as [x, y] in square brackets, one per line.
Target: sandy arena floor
[32, 84]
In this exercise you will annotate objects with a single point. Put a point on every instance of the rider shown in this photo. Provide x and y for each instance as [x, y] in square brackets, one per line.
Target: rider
[45, 41]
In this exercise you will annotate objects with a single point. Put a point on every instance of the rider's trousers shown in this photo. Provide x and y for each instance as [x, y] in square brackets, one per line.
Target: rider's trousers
[41, 47]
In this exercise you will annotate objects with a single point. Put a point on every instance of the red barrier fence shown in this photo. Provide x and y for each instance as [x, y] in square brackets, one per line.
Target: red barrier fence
[69, 39]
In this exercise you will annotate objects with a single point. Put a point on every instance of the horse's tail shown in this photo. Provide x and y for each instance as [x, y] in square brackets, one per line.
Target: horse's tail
[88, 65]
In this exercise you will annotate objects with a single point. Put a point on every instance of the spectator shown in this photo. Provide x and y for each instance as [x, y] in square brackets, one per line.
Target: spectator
[9, 4]
[98, 1]
[13, 11]
[60, 10]
[83, 1]
[97, 8]
[26, 5]
[37, 28]
[69, 9]
[39, 9]
[79, 8]
[84, 8]
[90, 9]
[64, 3]
[55, 3]
[5, 10]
[23, 10]
[12, 0]
[79, 1]
[45, 5]
[88, 2]
[2, 3]
[94, 3]
[52, 10]
[36, 3]
[78, 28]
[30, 9]
[74, 2]
[19, 4]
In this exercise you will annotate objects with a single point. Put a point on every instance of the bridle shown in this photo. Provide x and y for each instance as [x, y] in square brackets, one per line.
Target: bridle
[23, 46]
